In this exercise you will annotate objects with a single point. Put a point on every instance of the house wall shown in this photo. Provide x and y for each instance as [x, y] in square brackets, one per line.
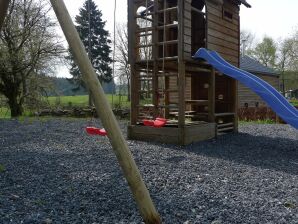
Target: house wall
[245, 95]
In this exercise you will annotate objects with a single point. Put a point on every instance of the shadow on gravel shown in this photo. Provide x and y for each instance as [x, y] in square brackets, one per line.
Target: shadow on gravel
[277, 154]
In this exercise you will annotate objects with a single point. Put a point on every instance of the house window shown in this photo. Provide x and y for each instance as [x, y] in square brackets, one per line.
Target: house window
[227, 15]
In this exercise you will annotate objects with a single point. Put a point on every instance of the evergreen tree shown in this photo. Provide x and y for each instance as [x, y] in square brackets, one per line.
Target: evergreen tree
[99, 44]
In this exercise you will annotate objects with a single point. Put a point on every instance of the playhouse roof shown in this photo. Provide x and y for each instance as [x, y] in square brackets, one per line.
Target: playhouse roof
[244, 2]
[253, 66]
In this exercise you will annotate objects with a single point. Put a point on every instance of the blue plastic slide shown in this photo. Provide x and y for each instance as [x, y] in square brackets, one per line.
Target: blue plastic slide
[268, 93]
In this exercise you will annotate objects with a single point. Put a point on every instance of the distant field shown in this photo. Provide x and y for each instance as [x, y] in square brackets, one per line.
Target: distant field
[82, 101]
[73, 101]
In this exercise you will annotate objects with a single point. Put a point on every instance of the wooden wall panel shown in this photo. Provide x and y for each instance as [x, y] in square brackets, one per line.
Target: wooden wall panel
[248, 96]
[223, 34]
[174, 85]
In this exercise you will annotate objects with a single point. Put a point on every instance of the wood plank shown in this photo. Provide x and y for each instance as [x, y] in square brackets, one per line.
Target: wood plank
[197, 102]
[132, 58]
[225, 129]
[224, 43]
[225, 125]
[232, 6]
[222, 36]
[187, 22]
[211, 96]
[218, 12]
[224, 23]
[199, 132]
[224, 114]
[223, 29]
[194, 132]
[225, 50]
[181, 69]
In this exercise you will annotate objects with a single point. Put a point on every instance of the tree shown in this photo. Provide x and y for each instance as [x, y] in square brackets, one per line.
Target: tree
[96, 41]
[284, 59]
[247, 40]
[29, 49]
[265, 52]
[123, 66]
[288, 60]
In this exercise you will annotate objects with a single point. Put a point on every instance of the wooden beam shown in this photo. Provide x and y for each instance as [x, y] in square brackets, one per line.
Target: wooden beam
[211, 96]
[133, 54]
[108, 119]
[181, 67]
[3, 11]
[155, 56]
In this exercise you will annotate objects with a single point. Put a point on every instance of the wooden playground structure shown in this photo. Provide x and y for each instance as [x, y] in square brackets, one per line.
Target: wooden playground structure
[197, 101]
[179, 87]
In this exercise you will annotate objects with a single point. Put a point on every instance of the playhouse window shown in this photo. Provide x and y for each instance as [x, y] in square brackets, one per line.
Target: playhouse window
[226, 14]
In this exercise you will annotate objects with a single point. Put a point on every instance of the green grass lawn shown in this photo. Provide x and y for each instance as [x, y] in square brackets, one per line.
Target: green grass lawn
[4, 113]
[71, 101]
[82, 101]
[294, 102]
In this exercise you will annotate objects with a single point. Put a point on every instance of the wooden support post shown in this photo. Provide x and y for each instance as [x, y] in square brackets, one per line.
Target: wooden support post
[132, 55]
[104, 111]
[3, 11]
[211, 96]
[167, 96]
[181, 67]
[155, 59]
[235, 105]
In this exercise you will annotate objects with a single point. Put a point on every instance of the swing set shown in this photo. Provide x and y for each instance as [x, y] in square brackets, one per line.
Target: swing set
[159, 121]
[104, 110]
[177, 29]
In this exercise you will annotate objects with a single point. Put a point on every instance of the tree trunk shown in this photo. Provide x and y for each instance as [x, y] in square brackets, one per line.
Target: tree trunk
[16, 109]
[128, 90]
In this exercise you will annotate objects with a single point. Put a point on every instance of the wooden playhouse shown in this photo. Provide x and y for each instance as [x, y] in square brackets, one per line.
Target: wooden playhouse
[198, 101]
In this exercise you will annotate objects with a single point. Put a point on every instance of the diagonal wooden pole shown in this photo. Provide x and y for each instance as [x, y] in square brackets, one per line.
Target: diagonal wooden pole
[103, 108]
[3, 11]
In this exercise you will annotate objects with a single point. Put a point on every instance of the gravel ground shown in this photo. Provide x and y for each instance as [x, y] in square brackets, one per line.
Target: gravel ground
[52, 172]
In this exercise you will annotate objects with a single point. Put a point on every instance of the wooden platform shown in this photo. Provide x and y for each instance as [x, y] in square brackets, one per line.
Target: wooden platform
[173, 135]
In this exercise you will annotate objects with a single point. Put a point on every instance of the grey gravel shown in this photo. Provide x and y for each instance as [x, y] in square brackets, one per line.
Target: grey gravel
[52, 172]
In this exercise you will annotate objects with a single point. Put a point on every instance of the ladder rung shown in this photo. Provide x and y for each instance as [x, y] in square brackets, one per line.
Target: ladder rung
[168, 106]
[197, 102]
[167, 9]
[168, 58]
[167, 74]
[159, 106]
[168, 26]
[146, 91]
[144, 45]
[145, 106]
[225, 129]
[168, 42]
[225, 125]
[145, 79]
[224, 114]
[144, 30]
[145, 34]
[168, 90]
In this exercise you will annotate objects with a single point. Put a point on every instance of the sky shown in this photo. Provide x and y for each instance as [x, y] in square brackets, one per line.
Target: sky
[270, 17]
[266, 17]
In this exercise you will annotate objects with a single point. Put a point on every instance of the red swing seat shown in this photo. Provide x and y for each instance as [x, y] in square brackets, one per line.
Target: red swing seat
[96, 131]
[157, 123]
